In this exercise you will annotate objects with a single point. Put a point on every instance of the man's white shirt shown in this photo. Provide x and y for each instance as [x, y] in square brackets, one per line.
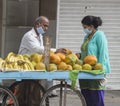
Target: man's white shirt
[31, 42]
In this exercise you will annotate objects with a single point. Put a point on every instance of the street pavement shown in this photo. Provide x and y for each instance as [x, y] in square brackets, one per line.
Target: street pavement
[112, 98]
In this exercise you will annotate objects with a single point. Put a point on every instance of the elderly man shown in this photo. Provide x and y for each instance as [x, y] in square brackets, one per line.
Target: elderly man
[28, 94]
[32, 41]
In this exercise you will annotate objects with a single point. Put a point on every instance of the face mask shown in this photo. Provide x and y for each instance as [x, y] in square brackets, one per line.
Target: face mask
[87, 31]
[40, 30]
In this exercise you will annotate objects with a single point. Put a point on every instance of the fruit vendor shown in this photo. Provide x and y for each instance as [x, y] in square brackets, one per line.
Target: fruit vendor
[95, 43]
[32, 41]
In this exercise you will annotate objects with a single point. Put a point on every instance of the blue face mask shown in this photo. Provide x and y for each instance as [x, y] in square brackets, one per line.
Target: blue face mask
[40, 30]
[87, 31]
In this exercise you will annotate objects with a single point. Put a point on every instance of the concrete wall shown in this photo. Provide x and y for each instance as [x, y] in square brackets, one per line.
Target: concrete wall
[0, 24]
[19, 19]
[48, 8]
[14, 19]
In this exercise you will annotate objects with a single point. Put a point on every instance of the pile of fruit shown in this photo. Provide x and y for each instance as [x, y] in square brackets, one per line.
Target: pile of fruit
[58, 61]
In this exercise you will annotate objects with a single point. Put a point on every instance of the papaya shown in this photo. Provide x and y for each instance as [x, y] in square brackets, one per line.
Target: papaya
[54, 58]
[36, 57]
[86, 67]
[62, 66]
[70, 59]
[98, 66]
[61, 55]
[90, 59]
[69, 67]
[52, 67]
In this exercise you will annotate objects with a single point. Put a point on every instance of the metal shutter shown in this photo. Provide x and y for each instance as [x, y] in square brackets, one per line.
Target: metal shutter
[70, 32]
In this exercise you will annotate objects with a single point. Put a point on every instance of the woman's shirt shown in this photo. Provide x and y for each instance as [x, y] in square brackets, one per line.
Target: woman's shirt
[97, 46]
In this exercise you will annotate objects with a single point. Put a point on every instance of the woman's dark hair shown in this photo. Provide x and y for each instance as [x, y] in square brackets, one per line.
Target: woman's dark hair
[92, 20]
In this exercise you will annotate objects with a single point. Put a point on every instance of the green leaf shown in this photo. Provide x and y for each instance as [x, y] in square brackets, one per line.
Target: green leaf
[73, 74]
[94, 71]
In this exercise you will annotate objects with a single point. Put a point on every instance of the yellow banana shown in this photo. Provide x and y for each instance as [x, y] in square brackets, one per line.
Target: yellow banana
[12, 63]
[26, 59]
[11, 59]
[15, 65]
[9, 64]
[6, 65]
[1, 59]
[19, 57]
[26, 56]
[9, 55]
[9, 67]
[3, 65]
[25, 67]
[20, 67]
[20, 64]
[30, 66]
[1, 62]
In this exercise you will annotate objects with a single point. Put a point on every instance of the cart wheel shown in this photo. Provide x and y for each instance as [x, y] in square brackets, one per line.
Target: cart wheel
[14, 88]
[7, 98]
[65, 97]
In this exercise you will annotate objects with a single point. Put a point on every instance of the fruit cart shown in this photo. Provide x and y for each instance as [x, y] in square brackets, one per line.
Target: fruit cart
[62, 76]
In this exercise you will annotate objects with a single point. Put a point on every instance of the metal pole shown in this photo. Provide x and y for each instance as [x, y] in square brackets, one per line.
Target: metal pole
[65, 92]
[61, 91]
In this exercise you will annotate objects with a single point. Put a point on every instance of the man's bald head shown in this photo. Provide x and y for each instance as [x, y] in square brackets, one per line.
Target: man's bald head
[41, 19]
[43, 22]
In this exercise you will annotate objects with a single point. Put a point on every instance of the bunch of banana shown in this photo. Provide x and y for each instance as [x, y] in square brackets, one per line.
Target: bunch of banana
[18, 65]
[12, 57]
[7, 65]
[26, 56]
[19, 57]
[17, 62]
[28, 66]
[1, 62]
[22, 65]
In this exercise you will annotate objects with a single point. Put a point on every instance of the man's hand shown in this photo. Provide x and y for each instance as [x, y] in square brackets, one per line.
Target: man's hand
[61, 50]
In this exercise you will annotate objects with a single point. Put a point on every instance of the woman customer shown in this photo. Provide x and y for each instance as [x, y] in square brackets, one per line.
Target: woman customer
[95, 43]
